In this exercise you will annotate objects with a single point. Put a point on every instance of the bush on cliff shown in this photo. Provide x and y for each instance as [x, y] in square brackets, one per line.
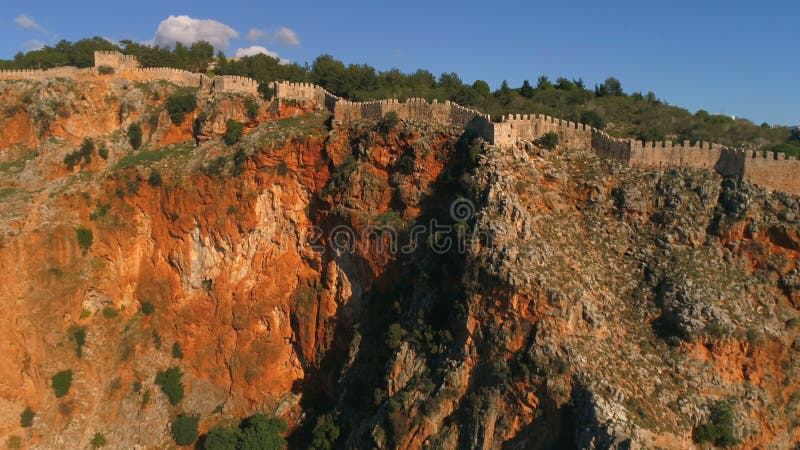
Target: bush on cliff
[81, 156]
[720, 429]
[233, 132]
[260, 432]
[221, 438]
[148, 308]
[26, 417]
[325, 433]
[135, 135]
[548, 141]
[79, 334]
[98, 440]
[181, 103]
[251, 108]
[171, 384]
[155, 179]
[184, 429]
[61, 382]
[388, 123]
[85, 238]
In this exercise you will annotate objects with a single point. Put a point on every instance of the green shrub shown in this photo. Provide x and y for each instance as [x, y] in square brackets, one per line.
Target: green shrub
[593, 119]
[103, 151]
[184, 429]
[105, 70]
[233, 132]
[283, 168]
[81, 156]
[239, 158]
[136, 386]
[394, 337]
[179, 104]
[85, 238]
[719, 430]
[388, 122]
[260, 432]
[265, 91]
[98, 440]
[148, 308]
[155, 178]
[109, 312]
[176, 350]
[548, 141]
[135, 135]
[61, 382]
[171, 384]
[80, 339]
[14, 442]
[215, 166]
[652, 134]
[325, 434]
[222, 438]
[26, 417]
[251, 107]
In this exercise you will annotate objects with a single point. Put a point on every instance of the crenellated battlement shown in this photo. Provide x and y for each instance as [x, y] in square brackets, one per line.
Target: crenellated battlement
[115, 60]
[36, 74]
[768, 169]
[234, 83]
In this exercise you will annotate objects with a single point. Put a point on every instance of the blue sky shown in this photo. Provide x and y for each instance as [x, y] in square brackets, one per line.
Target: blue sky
[733, 57]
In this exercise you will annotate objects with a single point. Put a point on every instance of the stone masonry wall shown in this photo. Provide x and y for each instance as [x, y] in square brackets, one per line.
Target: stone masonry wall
[772, 171]
[115, 60]
[31, 74]
[231, 83]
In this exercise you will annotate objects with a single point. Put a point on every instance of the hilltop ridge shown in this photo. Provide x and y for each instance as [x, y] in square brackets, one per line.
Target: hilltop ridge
[768, 169]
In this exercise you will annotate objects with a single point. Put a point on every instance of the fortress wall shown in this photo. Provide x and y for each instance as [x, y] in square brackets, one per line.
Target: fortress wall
[115, 60]
[34, 74]
[702, 155]
[532, 127]
[177, 76]
[772, 171]
[233, 83]
[610, 147]
[305, 92]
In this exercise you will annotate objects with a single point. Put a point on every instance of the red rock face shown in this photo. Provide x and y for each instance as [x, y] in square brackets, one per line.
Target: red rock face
[551, 322]
[223, 259]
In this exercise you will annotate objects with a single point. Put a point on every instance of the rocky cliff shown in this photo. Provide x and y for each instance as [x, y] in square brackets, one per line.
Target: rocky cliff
[389, 285]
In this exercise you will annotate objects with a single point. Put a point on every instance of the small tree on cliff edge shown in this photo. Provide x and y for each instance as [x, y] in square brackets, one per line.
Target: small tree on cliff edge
[233, 132]
[135, 135]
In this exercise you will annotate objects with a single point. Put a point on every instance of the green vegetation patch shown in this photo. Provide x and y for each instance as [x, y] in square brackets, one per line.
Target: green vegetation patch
[171, 384]
[184, 429]
[61, 382]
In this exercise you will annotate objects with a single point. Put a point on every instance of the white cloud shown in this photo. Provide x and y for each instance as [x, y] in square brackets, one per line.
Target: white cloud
[27, 22]
[281, 36]
[187, 30]
[255, 34]
[285, 36]
[259, 50]
[33, 44]
[254, 50]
